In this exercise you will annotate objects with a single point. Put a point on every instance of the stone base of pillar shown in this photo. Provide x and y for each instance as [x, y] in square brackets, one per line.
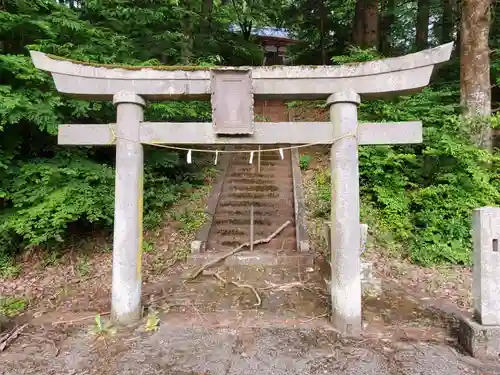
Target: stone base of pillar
[479, 340]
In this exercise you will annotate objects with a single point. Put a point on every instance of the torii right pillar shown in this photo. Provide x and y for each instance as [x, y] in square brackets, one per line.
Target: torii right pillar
[345, 220]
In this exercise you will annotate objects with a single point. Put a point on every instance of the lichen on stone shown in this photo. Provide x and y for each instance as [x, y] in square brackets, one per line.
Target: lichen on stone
[134, 67]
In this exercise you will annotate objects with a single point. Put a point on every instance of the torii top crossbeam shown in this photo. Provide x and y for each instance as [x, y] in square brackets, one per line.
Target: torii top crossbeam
[396, 76]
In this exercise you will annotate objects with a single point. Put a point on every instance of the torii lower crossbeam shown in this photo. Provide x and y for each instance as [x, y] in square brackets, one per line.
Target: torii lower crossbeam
[266, 133]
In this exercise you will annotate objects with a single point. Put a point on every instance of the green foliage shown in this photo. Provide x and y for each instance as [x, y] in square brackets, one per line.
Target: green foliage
[12, 306]
[8, 268]
[48, 192]
[152, 321]
[102, 329]
[147, 246]
[356, 55]
[83, 267]
[191, 220]
[46, 195]
[424, 195]
[304, 161]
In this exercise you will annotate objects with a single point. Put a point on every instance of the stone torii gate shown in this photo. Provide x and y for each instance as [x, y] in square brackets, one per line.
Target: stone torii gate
[232, 92]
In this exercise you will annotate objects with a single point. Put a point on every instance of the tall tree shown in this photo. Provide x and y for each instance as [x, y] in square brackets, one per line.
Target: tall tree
[187, 27]
[371, 21]
[423, 14]
[447, 18]
[358, 24]
[475, 87]
[366, 24]
[387, 20]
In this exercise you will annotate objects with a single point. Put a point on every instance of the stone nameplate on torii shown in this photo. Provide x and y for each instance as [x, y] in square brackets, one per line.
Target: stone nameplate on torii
[232, 123]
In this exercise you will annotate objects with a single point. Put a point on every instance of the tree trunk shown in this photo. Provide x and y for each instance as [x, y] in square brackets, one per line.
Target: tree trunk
[475, 87]
[458, 26]
[206, 12]
[322, 29]
[386, 22]
[246, 30]
[447, 24]
[187, 43]
[205, 29]
[371, 23]
[422, 37]
[358, 25]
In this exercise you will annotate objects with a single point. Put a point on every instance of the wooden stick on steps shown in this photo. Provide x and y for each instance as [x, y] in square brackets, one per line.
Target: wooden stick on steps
[251, 228]
[236, 250]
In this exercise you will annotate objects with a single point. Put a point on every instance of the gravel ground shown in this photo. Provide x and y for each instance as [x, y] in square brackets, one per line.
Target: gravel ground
[186, 349]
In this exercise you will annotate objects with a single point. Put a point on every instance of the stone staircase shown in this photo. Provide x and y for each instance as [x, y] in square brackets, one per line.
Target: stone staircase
[273, 284]
[269, 191]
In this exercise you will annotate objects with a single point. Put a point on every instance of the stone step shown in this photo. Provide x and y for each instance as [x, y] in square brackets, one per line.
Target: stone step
[242, 220]
[247, 181]
[226, 244]
[245, 212]
[229, 195]
[259, 230]
[249, 202]
[271, 175]
[262, 257]
[255, 187]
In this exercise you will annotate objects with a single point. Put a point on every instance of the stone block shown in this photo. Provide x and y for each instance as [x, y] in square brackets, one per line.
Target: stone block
[370, 285]
[486, 266]
[363, 236]
[479, 340]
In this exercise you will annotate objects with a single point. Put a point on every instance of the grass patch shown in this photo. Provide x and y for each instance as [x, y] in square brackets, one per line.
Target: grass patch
[147, 246]
[83, 267]
[304, 161]
[8, 268]
[12, 306]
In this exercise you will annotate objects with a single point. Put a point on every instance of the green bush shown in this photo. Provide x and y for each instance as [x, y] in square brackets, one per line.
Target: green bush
[46, 196]
[47, 192]
[423, 195]
[304, 161]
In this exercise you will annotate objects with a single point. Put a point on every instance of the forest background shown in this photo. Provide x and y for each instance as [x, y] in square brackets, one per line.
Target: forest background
[418, 198]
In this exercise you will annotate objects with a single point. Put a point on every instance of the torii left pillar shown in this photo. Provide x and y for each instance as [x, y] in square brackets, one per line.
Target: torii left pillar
[345, 223]
[127, 237]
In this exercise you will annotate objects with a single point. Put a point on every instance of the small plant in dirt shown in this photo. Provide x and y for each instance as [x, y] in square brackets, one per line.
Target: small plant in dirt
[101, 329]
[148, 247]
[12, 306]
[190, 220]
[8, 268]
[83, 267]
[152, 321]
[53, 258]
[260, 118]
[107, 249]
[304, 161]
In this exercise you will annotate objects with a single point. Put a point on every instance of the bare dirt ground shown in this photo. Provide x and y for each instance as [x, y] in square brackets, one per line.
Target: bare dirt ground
[205, 327]
[78, 280]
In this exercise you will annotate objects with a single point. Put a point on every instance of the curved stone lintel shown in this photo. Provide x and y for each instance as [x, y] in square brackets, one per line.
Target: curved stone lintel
[128, 97]
[398, 75]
